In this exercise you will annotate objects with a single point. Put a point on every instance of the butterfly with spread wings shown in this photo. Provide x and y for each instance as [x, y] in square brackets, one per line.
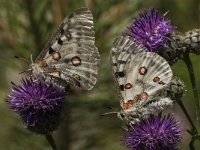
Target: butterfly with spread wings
[70, 57]
[140, 75]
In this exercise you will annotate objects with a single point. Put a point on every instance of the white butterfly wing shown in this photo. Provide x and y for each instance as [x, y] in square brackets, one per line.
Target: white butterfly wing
[147, 73]
[123, 48]
[139, 74]
[71, 54]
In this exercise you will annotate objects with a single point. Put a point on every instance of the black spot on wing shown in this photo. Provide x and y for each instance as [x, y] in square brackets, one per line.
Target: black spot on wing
[66, 61]
[60, 41]
[51, 50]
[121, 62]
[71, 15]
[62, 31]
[119, 74]
[121, 87]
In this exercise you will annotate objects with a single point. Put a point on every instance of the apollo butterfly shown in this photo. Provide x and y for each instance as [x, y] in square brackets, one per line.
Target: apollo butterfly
[70, 57]
[140, 76]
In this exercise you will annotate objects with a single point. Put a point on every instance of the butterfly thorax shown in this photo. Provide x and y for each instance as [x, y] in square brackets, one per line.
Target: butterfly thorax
[38, 68]
[129, 116]
[50, 75]
[134, 112]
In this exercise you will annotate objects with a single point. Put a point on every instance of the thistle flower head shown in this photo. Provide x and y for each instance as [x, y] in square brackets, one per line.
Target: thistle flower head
[192, 40]
[38, 104]
[175, 48]
[151, 29]
[154, 133]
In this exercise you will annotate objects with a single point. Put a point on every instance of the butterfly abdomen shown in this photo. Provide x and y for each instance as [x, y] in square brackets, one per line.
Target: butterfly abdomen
[56, 81]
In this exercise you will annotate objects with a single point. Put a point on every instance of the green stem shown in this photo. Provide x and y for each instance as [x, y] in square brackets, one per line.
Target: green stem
[194, 87]
[193, 132]
[51, 141]
[180, 103]
[191, 144]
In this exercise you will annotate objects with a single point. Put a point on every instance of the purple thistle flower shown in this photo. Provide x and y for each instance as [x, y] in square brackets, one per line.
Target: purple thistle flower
[155, 133]
[38, 104]
[151, 29]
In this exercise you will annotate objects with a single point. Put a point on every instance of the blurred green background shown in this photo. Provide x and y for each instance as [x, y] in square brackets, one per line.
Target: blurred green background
[25, 26]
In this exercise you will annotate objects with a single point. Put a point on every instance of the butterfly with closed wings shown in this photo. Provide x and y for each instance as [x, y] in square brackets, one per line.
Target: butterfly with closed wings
[140, 76]
[70, 57]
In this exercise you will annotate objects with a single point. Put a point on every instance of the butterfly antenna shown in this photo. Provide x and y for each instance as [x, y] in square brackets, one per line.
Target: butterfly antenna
[25, 71]
[23, 59]
[124, 128]
[31, 59]
[108, 113]
[166, 13]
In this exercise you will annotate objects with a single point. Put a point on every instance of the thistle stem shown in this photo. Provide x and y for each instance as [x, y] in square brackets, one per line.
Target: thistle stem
[193, 132]
[180, 103]
[191, 144]
[194, 87]
[51, 141]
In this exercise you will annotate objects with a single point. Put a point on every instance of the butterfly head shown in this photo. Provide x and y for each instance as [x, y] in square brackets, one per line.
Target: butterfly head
[130, 117]
[38, 67]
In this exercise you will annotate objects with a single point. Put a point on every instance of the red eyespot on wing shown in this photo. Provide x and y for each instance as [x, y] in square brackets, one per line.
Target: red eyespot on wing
[128, 86]
[126, 106]
[144, 96]
[55, 73]
[130, 102]
[142, 70]
[156, 79]
[76, 61]
[56, 56]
